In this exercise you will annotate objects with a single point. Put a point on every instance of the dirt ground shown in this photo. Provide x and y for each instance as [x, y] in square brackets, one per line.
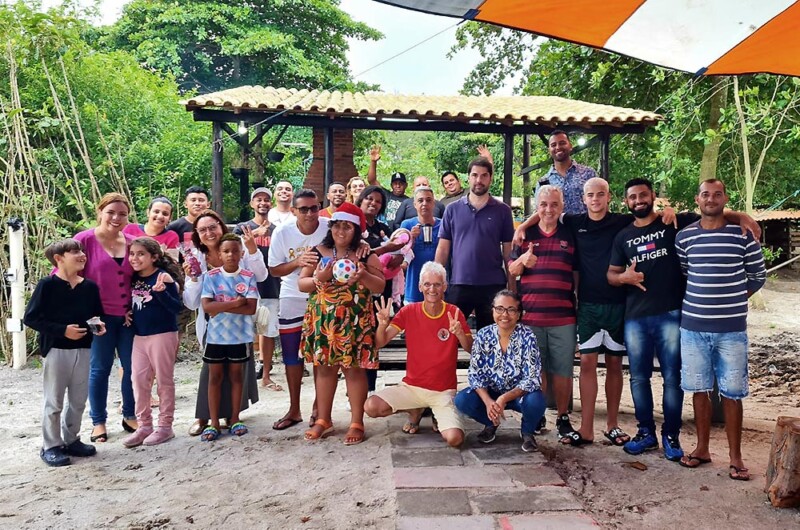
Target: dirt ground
[271, 479]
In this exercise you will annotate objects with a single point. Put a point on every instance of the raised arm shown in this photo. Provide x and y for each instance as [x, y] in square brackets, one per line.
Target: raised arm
[372, 173]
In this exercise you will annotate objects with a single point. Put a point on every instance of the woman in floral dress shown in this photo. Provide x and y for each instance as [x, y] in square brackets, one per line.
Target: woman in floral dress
[339, 326]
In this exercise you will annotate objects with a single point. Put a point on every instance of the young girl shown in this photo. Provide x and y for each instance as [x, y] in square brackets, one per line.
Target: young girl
[155, 305]
[159, 212]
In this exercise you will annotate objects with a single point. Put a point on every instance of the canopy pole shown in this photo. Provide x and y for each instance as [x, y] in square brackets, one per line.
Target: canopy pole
[527, 203]
[216, 168]
[15, 276]
[508, 167]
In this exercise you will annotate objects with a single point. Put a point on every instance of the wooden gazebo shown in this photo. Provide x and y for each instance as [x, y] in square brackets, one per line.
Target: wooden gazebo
[332, 113]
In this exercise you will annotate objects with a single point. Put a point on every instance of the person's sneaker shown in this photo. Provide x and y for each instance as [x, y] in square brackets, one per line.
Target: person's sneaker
[137, 438]
[529, 444]
[54, 457]
[672, 447]
[542, 426]
[643, 441]
[563, 426]
[487, 435]
[78, 448]
[159, 436]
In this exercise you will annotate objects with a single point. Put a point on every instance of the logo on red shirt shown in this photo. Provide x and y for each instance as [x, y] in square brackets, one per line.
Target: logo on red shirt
[443, 334]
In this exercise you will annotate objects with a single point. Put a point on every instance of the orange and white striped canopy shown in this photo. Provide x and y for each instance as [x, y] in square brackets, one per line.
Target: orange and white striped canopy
[703, 37]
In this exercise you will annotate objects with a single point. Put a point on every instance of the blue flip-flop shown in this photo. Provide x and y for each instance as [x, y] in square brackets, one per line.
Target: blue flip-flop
[239, 429]
[209, 434]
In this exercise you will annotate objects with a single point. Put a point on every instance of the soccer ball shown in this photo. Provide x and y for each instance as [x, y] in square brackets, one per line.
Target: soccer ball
[343, 270]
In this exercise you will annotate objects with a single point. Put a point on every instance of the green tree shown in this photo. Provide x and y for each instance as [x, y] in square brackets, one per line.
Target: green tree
[213, 45]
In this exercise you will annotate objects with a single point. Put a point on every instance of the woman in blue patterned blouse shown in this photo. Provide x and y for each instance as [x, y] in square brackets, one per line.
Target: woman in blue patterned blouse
[504, 373]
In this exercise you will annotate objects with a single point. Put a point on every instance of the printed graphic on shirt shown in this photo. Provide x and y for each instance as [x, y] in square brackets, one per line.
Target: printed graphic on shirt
[140, 294]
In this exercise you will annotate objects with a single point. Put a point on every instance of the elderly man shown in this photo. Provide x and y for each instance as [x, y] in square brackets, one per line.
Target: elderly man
[724, 268]
[424, 251]
[408, 210]
[336, 196]
[477, 230]
[546, 265]
[434, 329]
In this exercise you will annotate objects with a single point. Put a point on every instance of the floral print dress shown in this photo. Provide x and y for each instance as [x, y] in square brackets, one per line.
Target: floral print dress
[339, 327]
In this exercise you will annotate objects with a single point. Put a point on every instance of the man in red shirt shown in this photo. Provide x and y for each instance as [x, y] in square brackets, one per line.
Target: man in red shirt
[434, 329]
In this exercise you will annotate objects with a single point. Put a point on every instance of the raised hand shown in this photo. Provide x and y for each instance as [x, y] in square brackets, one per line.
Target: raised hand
[632, 277]
[74, 332]
[375, 153]
[383, 308]
[455, 324]
[248, 239]
[484, 152]
[162, 281]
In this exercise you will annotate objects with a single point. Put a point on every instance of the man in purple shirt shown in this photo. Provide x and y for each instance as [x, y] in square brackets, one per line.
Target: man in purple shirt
[478, 229]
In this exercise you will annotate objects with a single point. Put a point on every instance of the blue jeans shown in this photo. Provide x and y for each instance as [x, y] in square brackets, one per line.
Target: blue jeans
[119, 339]
[706, 356]
[645, 338]
[469, 403]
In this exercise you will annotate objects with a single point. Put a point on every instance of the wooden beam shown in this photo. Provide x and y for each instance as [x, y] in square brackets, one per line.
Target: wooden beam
[508, 168]
[216, 168]
[527, 192]
[392, 124]
[605, 147]
[327, 179]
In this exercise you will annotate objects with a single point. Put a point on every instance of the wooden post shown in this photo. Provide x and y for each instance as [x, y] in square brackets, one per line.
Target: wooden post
[508, 167]
[783, 469]
[327, 179]
[527, 192]
[604, 155]
[216, 168]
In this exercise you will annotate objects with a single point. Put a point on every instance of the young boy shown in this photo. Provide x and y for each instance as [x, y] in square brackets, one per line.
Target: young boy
[229, 295]
[59, 310]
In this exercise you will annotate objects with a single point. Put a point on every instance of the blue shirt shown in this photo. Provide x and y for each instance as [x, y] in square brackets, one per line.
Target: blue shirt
[423, 253]
[722, 266]
[154, 312]
[571, 185]
[221, 286]
[475, 241]
[518, 367]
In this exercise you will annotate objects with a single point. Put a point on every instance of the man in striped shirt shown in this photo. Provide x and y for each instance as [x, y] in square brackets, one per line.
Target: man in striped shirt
[723, 268]
[546, 265]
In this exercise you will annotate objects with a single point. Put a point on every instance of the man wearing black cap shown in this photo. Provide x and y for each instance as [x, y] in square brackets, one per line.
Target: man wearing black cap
[396, 195]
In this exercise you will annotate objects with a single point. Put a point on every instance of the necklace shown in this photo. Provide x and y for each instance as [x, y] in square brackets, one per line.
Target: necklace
[346, 254]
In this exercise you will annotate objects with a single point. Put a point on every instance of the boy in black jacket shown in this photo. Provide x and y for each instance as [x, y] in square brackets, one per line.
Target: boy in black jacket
[59, 310]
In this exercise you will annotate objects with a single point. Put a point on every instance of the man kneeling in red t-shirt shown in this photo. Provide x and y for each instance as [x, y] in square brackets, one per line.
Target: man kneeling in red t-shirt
[434, 329]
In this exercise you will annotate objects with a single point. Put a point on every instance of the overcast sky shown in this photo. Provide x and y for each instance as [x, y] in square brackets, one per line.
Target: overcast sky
[422, 70]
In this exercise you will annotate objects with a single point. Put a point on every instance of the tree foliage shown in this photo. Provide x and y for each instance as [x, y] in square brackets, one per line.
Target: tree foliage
[213, 45]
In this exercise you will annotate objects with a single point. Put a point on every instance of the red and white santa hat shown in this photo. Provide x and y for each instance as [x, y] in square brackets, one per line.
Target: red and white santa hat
[352, 213]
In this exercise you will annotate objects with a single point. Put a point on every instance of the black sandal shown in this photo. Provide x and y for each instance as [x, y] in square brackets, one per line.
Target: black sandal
[575, 439]
[102, 437]
[617, 436]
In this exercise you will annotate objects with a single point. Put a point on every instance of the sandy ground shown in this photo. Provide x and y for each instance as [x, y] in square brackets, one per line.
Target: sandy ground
[271, 479]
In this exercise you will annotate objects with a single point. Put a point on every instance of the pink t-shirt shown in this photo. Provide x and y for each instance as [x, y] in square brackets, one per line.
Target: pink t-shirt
[168, 238]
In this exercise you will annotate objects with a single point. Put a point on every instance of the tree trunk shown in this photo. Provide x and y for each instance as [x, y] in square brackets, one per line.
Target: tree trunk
[783, 470]
[708, 165]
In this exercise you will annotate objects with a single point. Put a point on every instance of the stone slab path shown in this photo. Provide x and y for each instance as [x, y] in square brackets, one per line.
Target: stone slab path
[481, 487]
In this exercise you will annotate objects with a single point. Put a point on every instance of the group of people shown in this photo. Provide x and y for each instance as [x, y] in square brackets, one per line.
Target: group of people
[335, 285]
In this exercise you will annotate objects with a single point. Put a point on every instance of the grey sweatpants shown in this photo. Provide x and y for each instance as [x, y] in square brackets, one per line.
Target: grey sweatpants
[65, 371]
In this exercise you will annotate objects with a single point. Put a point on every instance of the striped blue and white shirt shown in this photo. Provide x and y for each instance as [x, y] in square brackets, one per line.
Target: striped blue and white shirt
[722, 266]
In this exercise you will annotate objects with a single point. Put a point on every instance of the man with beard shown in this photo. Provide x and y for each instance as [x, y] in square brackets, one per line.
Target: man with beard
[336, 196]
[282, 212]
[643, 259]
[269, 289]
[477, 231]
[565, 173]
[724, 268]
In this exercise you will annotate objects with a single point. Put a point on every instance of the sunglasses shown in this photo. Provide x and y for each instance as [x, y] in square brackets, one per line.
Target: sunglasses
[305, 210]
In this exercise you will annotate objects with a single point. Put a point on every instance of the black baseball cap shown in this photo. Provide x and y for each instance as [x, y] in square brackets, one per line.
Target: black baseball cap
[399, 177]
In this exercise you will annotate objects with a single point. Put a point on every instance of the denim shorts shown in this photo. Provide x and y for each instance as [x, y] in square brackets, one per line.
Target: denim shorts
[706, 355]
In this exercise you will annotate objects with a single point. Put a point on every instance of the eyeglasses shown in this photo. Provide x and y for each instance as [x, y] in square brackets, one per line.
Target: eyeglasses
[207, 229]
[428, 285]
[305, 210]
[500, 310]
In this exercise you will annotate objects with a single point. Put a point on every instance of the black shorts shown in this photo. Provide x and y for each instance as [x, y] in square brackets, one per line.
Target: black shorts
[225, 354]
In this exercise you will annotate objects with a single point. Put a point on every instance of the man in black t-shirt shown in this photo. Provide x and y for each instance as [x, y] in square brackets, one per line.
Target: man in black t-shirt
[269, 289]
[196, 202]
[644, 262]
